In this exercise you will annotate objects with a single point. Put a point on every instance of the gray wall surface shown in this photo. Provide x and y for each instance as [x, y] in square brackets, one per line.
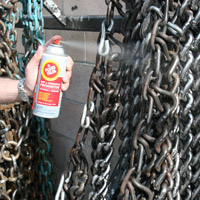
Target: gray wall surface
[64, 128]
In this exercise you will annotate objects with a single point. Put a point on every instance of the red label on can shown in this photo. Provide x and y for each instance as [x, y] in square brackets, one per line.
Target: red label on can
[50, 84]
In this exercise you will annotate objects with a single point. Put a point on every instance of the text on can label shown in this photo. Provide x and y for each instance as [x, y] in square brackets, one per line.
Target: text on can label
[50, 84]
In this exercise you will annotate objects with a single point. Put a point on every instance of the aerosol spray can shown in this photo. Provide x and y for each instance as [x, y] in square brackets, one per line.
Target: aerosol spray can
[48, 94]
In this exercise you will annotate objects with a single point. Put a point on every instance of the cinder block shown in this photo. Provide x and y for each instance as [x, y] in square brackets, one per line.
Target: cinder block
[68, 121]
[79, 83]
[76, 42]
[91, 46]
[60, 149]
[55, 177]
[89, 7]
[60, 152]
[115, 47]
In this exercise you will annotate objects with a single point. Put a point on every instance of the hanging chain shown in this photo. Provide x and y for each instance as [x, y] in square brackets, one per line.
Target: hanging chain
[100, 121]
[162, 140]
[9, 17]
[16, 151]
[154, 78]
[33, 23]
[33, 36]
[24, 172]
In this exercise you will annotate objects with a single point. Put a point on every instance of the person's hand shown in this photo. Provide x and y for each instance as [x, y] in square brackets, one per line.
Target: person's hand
[32, 68]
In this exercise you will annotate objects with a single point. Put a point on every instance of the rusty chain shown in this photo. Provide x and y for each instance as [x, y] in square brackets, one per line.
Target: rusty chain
[163, 135]
[9, 17]
[24, 151]
[152, 85]
[16, 156]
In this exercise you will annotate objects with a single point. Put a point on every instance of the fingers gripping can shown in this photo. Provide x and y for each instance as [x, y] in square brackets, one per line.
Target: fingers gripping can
[48, 94]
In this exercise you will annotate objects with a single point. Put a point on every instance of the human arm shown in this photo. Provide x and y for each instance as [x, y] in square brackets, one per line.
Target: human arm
[9, 89]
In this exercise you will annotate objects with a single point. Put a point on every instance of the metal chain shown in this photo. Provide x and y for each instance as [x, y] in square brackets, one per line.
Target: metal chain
[152, 143]
[16, 153]
[24, 173]
[164, 170]
[189, 58]
[101, 122]
[8, 53]
[154, 77]
[32, 37]
[33, 32]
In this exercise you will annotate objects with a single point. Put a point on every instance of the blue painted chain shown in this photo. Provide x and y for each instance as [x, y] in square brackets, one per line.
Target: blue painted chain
[32, 37]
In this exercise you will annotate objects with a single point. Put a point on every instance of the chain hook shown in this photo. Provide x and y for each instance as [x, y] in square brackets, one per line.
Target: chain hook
[104, 46]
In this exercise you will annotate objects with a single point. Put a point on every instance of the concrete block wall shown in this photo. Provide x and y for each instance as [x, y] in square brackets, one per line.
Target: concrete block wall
[64, 128]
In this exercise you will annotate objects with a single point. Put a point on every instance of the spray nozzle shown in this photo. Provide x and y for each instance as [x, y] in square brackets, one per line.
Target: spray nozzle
[57, 41]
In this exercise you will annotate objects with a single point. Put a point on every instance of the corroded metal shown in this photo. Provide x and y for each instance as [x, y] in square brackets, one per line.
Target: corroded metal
[23, 163]
[146, 93]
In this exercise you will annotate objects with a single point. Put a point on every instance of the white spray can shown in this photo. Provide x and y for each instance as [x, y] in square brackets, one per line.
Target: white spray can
[48, 93]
